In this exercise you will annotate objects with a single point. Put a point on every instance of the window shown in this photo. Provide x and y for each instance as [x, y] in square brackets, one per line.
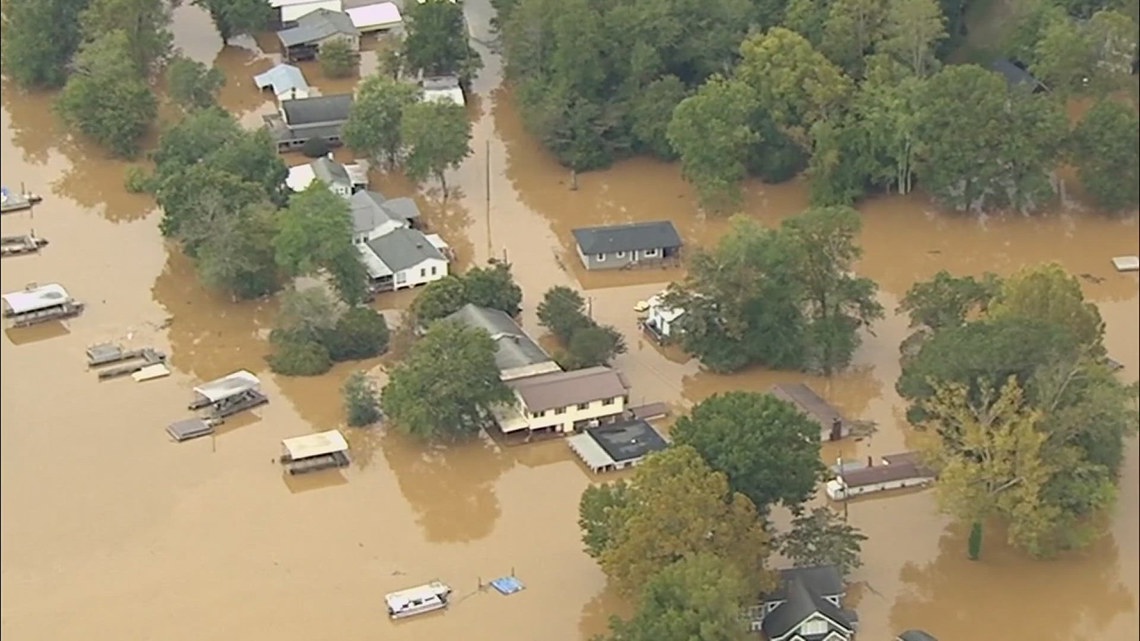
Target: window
[536, 414]
[601, 258]
[583, 406]
[401, 277]
[423, 272]
[608, 401]
[813, 627]
[621, 254]
[433, 270]
[649, 252]
[560, 410]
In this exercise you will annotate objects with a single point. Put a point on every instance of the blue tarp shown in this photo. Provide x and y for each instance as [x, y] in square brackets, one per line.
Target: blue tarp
[507, 585]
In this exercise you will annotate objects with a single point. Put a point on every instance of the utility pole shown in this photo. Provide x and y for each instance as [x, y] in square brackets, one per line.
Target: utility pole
[487, 193]
[842, 486]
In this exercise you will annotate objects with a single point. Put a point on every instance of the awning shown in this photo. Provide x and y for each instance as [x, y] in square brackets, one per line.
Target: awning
[227, 386]
[589, 451]
[302, 447]
[34, 299]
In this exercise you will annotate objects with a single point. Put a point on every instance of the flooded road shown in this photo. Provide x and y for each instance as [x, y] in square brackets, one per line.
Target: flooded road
[108, 526]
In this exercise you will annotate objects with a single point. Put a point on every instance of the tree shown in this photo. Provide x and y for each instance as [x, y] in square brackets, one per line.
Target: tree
[143, 24]
[438, 138]
[766, 447]
[106, 99]
[447, 386]
[1107, 162]
[236, 17]
[698, 597]
[316, 234]
[359, 333]
[710, 132]
[33, 55]
[1063, 57]
[914, 28]
[192, 84]
[493, 286]
[652, 110]
[1112, 35]
[440, 298]
[237, 256]
[946, 301]
[884, 108]
[436, 42]
[306, 315]
[820, 537]
[373, 126]
[563, 312]
[292, 357]
[1049, 294]
[338, 59]
[837, 303]
[592, 346]
[361, 400]
[672, 508]
[852, 29]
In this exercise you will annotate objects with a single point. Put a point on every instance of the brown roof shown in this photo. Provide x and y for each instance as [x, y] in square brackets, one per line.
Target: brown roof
[809, 402]
[562, 389]
[884, 474]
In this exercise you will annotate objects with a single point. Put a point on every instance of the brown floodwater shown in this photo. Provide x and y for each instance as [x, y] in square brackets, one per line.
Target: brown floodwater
[108, 526]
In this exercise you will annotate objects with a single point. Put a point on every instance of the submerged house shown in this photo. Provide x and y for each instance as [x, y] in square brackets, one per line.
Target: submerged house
[516, 354]
[374, 216]
[832, 425]
[808, 606]
[286, 81]
[298, 121]
[330, 172]
[621, 246]
[404, 258]
[314, 30]
[616, 446]
[660, 320]
[564, 402]
[897, 471]
[443, 89]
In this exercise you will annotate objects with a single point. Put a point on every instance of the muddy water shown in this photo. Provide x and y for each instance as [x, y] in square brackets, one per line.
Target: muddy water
[108, 526]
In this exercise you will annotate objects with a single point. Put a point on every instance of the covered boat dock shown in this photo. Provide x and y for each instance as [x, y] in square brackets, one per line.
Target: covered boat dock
[40, 304]
[303, 454]
[229, 395]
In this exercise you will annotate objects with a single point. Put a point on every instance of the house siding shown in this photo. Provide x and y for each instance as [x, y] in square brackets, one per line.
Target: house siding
[420, 274]
[836, 491]
[618, 260]
[565, 419]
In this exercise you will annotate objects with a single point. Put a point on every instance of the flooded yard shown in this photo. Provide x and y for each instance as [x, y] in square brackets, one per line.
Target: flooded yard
[109, 527]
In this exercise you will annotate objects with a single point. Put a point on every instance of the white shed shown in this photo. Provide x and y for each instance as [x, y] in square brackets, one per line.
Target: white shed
[291, 10]
[371, 18]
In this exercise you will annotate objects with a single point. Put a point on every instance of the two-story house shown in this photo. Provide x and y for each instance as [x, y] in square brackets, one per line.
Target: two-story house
[300, 120]
[808, 606]
[516, 354]
[565, 401]
[374, 216]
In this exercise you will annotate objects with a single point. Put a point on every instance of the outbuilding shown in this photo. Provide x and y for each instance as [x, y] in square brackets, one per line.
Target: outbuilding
[616, 446]
[324, 450]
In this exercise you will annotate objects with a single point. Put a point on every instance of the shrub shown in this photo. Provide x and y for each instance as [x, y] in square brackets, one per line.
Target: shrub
[338, 59]
[300, 358]
[316, 148]
[360, 333]
[361, 400]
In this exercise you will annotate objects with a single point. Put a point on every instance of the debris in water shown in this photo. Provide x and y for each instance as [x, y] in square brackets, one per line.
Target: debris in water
[507, 585]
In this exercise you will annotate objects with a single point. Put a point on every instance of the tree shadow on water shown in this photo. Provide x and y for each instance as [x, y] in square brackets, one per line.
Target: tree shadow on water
[451, 489]
[97, 181]
[598, 611]
[1071, 598]
[32, 124]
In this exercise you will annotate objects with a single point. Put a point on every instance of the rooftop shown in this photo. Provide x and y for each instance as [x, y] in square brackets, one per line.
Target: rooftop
[627, 440]
[821, 579]
[563, 389]
[316, 26]
[515, 348]
[801, 602]
[403, 248]
[402, 207]
[380, 14]
[330, 171]
[885, 474]
[1014, 75]
[302, 447]
[631, 237]
[317, 110]
[34, 299]
[368, 211]
[916, 635]
[282, 78]
[227, 386]
[809, 403]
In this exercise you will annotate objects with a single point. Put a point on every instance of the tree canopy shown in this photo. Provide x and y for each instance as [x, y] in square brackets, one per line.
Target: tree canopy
[438, 138]
[492, 286]
[436, 42]
[1107, 162]
[313, 331]
[820, 537]
[585, 343]
[373, 126]
[192, 84]
[32, 55]
[316, 236]
[236, 17]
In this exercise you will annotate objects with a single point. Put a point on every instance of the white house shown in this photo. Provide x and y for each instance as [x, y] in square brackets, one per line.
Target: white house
[898, 471]
[808, 606]
[564, 401]
[374, 216]
[404, 258]
[291, 10]
[339, 179]
[660, 320]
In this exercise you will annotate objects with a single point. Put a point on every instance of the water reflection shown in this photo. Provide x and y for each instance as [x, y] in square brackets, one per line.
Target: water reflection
[299, 483]
[451, 489]
[596, 614]
[30, 123]
[36, 333]
[95, 181]
[1073, 598]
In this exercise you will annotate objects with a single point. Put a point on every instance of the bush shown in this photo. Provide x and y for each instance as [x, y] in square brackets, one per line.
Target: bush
[300, 358]
[338, 59]
[316, 148]
[360, 333]
[137, 180]
[361, 401]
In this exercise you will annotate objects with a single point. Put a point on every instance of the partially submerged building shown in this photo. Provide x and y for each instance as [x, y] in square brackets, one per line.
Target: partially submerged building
[314, 452]
[286, 81]
[897, 471]
[298, 121]
[229, 395]
[564, 402]
[314, 30]
[916, 635]
[373, 215]
[516, 353]
[624, 246]
[832, 425]
[807, 606]
[333, 174]
[288, 12]
[616, 446]
[660, 321]
[40, 304]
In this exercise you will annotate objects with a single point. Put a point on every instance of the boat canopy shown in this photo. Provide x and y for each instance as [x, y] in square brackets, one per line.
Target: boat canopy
[402, 599]
[227, 386]
[34, 299]
[303, 447]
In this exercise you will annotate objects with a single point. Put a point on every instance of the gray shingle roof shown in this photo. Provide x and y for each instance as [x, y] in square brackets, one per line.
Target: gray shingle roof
[515, 348]
[368, 211]
[404, 208]
[403, 248]
[1013, 74]
[823, 580]
[631, 237]
[330, 171]
[917, 635]
[562, 389]
[316, 26]
[800, 604]
[318, 109]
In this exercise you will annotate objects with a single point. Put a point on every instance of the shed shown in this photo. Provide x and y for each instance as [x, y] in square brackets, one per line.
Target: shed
[314, 29]
[371, 18]
[35, 298]
[616, 446]
[290, 11]
[287, 82]
[620, 246]
[833, 426]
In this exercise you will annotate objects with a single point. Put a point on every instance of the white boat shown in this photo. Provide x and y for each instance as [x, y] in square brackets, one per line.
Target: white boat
[418, 600]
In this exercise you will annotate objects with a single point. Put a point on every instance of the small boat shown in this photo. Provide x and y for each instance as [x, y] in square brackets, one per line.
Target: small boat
[17, 245]
[418, 600]
[10, 202]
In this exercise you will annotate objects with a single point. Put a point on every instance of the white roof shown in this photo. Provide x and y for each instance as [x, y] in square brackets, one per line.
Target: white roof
[227, 386]
[302, 447]
[34, 299]
[437, 241]
[589, 451]
[300, 177]
[1126, 263]
[451, 94]
[668, 314]
[292, 11]
[397, 600]
[293, 3]
[283, 79]
[375, 15]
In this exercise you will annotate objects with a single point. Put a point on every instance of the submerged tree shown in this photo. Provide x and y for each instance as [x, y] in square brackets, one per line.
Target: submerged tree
[361, 400]
[33, 55]
[192, 84]
[236, 17]
[820, 537]
[373, 126]
[1108, 163]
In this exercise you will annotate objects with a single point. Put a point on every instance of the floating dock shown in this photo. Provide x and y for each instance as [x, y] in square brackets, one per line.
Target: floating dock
[149, 357]
[107, 353]
[315, 452]
[10, 202]
[229, 395]
[20, 245]
[40, 304]
[190, 428]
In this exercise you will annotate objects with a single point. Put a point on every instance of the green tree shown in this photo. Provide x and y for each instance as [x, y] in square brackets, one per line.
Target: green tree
[305, 316]
[361, 400]
[1107, 161]
[1063, 57]
[437, 136]
[592, 346]
[436, 42]
[440, 298]
[852, 29]
[493, 286]
[192, 84]
[766, 447]
[1113, 36]
[359, 333]
[291, 357]
[884, 108]
[316, 234]
[698, 597]
[35, 56]
[807, 18]
[837, 303]
[236, 17]
[446, 387]
[237, 255]
[946, 301]
[651, 111]
[1049, 294]
[338, 59]
[710, 132]
[820, 537]
[914, 28]
[563, 312]
[144, 24]
[673, 507]
[105, 99]
[373, 126]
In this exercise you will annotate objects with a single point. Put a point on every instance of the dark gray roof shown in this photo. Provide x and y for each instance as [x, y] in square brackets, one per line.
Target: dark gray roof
[632, 237]
[403, 248]
[916, 635]
[823, 580]
[368, 211]
[1013, 74]
[318, 109]
[627, 440]
[330, 171]
[515, 348]
[402, 207]
[315, 26]
[800, 604]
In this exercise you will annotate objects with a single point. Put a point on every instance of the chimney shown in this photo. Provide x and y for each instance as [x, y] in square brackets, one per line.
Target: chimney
[870, 462]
